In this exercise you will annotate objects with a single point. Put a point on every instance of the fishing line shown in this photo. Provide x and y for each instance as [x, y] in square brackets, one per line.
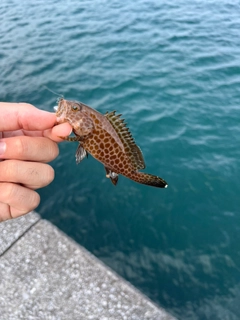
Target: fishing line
[57, 94]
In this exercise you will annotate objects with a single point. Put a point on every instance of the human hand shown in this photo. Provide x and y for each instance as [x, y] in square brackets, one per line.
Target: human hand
[27, 142]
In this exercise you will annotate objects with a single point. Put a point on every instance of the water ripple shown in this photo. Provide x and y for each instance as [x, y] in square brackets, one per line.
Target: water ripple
[172, 70]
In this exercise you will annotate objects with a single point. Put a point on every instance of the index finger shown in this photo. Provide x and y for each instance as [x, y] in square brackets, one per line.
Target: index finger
[15, 116]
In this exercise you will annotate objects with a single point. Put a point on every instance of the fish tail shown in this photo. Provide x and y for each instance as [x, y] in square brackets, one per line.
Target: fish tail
[149, 179]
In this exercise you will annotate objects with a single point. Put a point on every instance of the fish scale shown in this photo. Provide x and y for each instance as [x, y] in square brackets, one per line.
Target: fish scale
[107, 139]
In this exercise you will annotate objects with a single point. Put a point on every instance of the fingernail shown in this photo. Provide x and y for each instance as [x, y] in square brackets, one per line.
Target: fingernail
[2, 147]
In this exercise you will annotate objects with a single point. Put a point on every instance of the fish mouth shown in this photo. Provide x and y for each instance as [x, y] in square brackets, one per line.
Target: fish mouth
[60, 112]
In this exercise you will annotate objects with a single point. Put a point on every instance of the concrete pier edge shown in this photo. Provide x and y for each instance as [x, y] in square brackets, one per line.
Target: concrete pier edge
[44, 274]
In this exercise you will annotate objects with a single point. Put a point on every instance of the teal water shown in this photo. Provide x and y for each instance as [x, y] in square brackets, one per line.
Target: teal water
[173, 70]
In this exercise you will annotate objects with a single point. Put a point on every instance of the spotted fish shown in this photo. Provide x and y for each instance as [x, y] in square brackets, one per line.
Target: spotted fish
[108, 140]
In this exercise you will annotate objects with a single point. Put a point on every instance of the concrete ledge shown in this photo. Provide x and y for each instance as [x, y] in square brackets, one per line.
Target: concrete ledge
[46, 275]
[12, 230]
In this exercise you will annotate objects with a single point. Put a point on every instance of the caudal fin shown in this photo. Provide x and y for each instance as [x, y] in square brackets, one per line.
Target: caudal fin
[149, 179]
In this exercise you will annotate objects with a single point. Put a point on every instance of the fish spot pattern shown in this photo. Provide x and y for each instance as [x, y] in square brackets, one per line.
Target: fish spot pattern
[108, 140]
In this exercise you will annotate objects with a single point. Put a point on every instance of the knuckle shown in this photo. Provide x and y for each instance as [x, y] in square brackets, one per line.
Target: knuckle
[39, 175]
[20, 147]
[49, 149]
[26, 105]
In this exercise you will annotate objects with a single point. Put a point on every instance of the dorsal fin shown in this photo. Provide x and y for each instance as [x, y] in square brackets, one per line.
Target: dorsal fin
[132, 150]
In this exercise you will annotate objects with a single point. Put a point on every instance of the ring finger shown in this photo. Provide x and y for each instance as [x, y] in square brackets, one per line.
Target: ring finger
[32, 175]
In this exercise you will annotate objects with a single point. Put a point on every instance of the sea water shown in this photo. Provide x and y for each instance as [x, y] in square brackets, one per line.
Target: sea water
[172, 68]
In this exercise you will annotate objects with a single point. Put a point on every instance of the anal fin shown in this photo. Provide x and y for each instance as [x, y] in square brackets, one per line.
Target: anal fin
[112, 175]
[81, 153]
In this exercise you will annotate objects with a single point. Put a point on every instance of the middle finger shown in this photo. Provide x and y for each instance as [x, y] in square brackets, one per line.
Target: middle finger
[27, 148]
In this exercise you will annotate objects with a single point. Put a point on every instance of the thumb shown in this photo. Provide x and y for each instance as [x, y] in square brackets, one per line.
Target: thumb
[61, 130]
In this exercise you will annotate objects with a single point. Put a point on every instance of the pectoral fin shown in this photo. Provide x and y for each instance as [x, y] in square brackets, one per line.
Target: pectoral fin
[80, 154]
[69, 138]
[112, 175]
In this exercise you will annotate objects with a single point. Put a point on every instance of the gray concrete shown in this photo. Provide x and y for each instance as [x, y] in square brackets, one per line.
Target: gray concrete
[46, 275]
[12, 230]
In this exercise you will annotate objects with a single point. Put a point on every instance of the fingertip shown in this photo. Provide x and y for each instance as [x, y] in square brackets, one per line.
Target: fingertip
[60, 130]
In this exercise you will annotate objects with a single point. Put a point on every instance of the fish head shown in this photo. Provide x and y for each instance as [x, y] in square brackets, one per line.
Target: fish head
[75, 114]
[63, 110]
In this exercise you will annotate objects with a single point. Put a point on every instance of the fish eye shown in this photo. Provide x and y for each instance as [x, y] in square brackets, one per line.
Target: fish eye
[74, 108]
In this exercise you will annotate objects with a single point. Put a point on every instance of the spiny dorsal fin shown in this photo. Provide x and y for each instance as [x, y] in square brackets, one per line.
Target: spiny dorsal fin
[131, 149]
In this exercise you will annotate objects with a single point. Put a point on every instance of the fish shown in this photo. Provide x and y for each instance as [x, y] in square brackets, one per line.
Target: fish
[107, 138]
